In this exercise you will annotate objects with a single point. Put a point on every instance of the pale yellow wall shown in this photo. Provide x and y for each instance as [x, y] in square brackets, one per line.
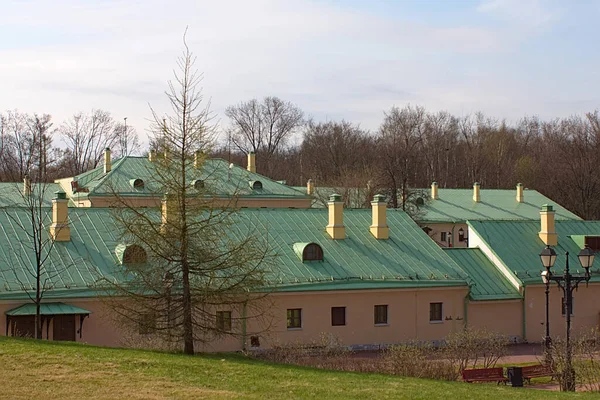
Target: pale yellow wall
[503, 317]
[586, 311]
[437, 230]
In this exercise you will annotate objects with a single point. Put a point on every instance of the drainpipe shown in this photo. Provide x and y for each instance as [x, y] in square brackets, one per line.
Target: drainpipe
[244, 342]
[466, 309]
[524, 317]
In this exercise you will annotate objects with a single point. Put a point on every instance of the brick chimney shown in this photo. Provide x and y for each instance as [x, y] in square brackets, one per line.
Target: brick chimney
[520, 197]
[107, 161]
[476, 195]
[434, 191]
[548, 232]
[379, 227]
[251, 162]
[59, 230]
[336, 228]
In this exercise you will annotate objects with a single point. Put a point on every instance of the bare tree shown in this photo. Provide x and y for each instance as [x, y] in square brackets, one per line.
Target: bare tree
[127, 142]
[86, 136]
[198, 256]
[263, 127]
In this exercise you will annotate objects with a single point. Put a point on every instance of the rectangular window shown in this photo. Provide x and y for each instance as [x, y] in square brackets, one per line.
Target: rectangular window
[294, 318]
[224, 321]
[338, 316]
[435, 312]
[147, 323]
[562, 305]
[443, 236]
[381, 314]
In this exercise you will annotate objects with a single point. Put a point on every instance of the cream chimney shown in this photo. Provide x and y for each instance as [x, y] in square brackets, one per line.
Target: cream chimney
[548, 233]
[198, 159]
[310, 187]
[26, 186]
[476, 195]
[520, 197]
[107, 162]
[152, 156]
[434, 191]
[59, 230]
[169, 213]
[379, 227]
[336, 228]
[251, 162]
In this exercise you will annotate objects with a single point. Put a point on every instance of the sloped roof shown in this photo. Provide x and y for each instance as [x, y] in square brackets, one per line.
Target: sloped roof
[486, 281]
[11, 193]
[518, 245]
[457, 205]
[48, 309]
[216, 174]
[73, 267]
[408, 259]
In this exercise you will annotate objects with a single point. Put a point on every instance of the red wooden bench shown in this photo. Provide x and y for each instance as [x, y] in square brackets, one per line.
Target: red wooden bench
[536, 371]
[484, 375]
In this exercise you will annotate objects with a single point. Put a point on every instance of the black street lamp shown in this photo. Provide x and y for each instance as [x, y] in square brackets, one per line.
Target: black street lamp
[568, 283]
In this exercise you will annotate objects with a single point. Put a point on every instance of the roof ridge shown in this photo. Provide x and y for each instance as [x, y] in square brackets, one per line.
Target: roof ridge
[117, 164]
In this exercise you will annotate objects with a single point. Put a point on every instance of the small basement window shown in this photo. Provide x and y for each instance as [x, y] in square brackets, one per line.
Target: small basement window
[137, 183]
[381, 314]
[435, 312]
[256, 185]
[338, 316]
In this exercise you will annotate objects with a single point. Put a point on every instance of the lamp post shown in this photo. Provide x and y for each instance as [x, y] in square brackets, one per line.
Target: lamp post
[568, 283]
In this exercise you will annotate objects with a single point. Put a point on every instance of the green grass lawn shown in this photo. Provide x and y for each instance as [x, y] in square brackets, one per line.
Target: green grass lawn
[50, 370]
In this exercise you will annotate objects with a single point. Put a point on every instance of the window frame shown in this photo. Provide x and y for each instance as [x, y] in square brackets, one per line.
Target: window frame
[312, 249]
[441, 312]
[291, 318]
[334, 317]
[223, 320]
[376, 314]
[443, 236]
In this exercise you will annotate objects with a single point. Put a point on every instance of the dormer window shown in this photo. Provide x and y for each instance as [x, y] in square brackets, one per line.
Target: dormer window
[256, 185]
[198, 184]
[137, 183]
[308, 251]
[129, 254]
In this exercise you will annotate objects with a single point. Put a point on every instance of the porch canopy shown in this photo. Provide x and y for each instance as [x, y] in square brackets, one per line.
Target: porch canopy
[48, 311]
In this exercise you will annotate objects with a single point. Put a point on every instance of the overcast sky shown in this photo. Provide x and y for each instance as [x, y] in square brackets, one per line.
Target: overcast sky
[335, 59]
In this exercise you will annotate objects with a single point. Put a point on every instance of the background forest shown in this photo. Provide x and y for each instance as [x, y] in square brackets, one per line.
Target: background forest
[412, 148]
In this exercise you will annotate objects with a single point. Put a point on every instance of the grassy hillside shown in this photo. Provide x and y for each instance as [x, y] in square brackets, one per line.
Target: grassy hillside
[48, 370]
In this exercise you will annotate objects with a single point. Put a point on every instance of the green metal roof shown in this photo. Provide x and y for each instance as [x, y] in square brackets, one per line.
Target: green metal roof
[47, 309]
[457, 205]
[517, 245]
[73, 267]
[408, 259]
[218, 177]
[486, 281]
[11, 193]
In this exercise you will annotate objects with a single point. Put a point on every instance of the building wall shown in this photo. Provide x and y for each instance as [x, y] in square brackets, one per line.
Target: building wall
[586, 311]
[503, 317]
[408, 319]
[452, 234]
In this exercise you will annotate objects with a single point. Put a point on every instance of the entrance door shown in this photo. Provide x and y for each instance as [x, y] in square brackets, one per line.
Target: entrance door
[23, 326]
[64, 327]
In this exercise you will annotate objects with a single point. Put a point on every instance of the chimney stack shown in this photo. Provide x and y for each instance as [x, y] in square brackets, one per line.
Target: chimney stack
[26, 186]
[336, 228]
[476, 195]
[379, 227]
[251, 162]
[59, 230]
[198, 159]
[520, 197]
[152, 156]
[310, 187]
[107, 161]
[548, 233]
[168, 213]
[434, 191]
